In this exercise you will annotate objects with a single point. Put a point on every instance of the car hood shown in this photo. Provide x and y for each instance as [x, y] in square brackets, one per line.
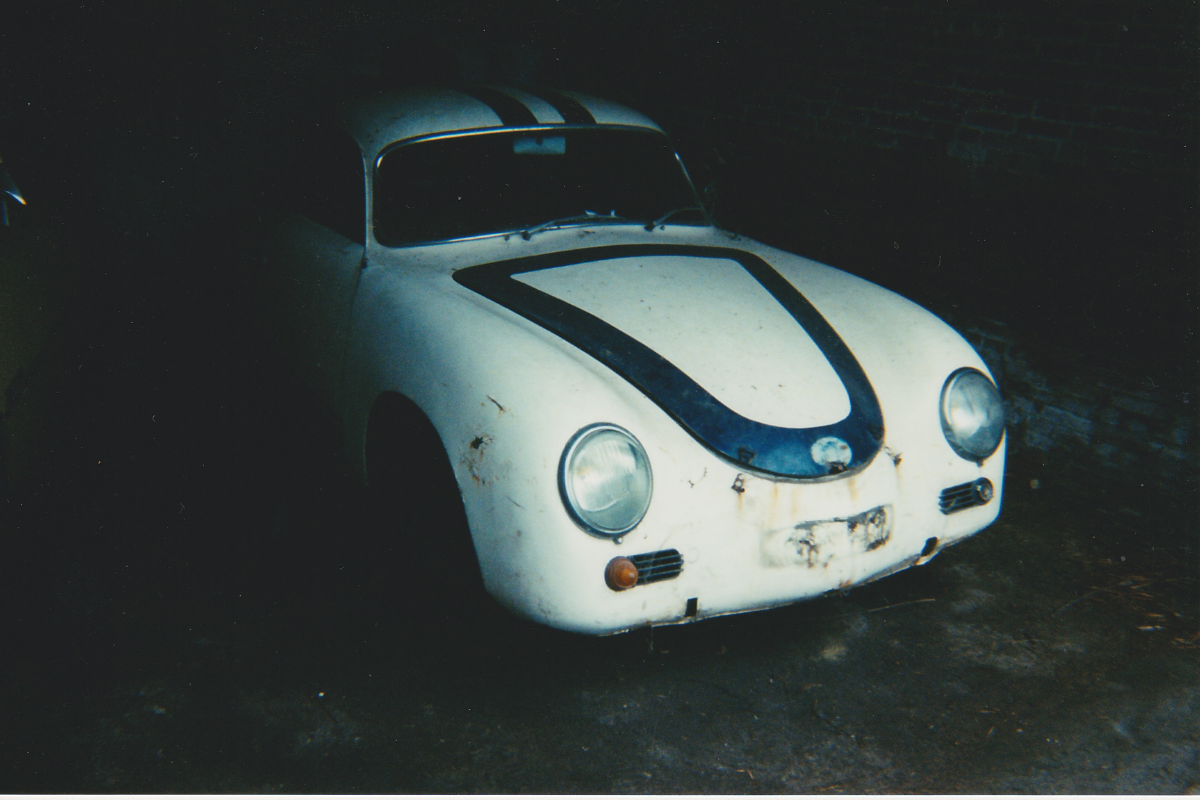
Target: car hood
[714, 336]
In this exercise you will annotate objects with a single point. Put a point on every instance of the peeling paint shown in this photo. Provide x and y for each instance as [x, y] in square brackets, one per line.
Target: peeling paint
[930, 550]
[473, 457]
[820, 543]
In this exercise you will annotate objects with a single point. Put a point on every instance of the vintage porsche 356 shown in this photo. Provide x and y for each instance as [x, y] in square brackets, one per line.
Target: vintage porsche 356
[649, 419]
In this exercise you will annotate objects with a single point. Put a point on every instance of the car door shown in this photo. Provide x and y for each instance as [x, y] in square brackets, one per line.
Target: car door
[316, 255]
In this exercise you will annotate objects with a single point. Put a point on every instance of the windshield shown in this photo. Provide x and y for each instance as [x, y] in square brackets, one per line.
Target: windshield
[459, 186]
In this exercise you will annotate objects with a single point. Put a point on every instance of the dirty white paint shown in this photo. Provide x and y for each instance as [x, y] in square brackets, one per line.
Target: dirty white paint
[506, 396]
[710, 318]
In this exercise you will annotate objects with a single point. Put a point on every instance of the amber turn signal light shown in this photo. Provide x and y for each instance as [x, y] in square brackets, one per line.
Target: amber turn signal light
[621, 573]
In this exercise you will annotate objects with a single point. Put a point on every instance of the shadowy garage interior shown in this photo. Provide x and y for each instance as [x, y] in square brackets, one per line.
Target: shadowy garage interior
[198, 598]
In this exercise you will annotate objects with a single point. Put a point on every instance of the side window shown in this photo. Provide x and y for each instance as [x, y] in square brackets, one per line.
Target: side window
[325, 181]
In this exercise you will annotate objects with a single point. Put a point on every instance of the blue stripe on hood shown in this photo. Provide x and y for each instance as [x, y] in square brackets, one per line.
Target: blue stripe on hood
[783, 452]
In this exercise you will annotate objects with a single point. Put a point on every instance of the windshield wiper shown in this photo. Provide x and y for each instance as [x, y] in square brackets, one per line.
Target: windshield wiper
[586, 216]
[658, 222]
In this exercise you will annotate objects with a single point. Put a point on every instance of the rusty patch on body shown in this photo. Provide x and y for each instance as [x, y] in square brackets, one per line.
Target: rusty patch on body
[473, 457]
[819, 543]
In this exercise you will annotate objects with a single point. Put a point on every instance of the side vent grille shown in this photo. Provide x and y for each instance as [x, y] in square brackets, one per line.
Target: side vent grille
[965, 495]
[661, 565]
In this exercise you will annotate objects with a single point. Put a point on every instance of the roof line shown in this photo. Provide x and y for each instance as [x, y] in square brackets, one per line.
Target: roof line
[512, 112]
[571, 110]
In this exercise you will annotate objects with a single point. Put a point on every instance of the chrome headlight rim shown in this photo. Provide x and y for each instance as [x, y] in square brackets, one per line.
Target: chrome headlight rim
[566, 488]
[953, 438]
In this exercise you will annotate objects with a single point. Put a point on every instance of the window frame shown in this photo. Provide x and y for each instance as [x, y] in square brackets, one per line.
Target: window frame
[549, 129]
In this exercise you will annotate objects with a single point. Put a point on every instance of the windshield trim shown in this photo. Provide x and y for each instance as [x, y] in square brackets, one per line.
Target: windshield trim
[467, 132]
[708, 220]
[605, 222]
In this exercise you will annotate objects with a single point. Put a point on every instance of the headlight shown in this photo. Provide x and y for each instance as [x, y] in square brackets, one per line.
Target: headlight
[972, 414]
[605, 480]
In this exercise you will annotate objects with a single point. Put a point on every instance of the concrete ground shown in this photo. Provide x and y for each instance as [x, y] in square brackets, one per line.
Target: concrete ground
[1055, 652]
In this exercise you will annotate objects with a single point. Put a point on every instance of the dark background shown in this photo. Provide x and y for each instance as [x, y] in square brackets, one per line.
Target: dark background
[1026, 171]
[1063, 130]
[1026, 168]
[888, 138]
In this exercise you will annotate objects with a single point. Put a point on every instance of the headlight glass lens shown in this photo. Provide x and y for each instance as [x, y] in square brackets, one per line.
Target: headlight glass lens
[605, 480]
[972, 414]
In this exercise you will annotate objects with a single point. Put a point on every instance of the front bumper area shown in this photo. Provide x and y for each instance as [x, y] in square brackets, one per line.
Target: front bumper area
[748, 542]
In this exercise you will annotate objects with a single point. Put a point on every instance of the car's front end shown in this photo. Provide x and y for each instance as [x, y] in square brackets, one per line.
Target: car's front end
[650, 420]
[607, 488]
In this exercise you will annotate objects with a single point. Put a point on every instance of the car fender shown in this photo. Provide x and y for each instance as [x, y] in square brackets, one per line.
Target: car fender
[908, 353]
[505, 397]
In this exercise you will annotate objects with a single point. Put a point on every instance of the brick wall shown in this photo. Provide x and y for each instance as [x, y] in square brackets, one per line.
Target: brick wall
[1027, 161]
[1093, 423]
[1018, 86]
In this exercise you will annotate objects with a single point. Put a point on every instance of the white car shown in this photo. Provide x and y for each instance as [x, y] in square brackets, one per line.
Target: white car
[650, 420]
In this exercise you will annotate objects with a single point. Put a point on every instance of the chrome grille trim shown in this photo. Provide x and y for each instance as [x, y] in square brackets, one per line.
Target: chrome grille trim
[660, 565]
[965, 495]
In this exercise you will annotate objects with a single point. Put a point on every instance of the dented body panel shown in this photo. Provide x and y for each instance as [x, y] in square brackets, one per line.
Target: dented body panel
[506, 393]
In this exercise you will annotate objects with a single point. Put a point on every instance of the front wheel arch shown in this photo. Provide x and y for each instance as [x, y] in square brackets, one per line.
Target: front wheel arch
[414, 496]
[397, 426]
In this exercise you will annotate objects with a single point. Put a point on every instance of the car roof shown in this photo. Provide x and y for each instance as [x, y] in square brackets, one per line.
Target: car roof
[396, 115]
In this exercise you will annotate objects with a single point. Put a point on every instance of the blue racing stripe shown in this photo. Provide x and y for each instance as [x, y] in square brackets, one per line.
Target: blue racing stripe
[512, 112]
[572, 111]
[784, 452]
